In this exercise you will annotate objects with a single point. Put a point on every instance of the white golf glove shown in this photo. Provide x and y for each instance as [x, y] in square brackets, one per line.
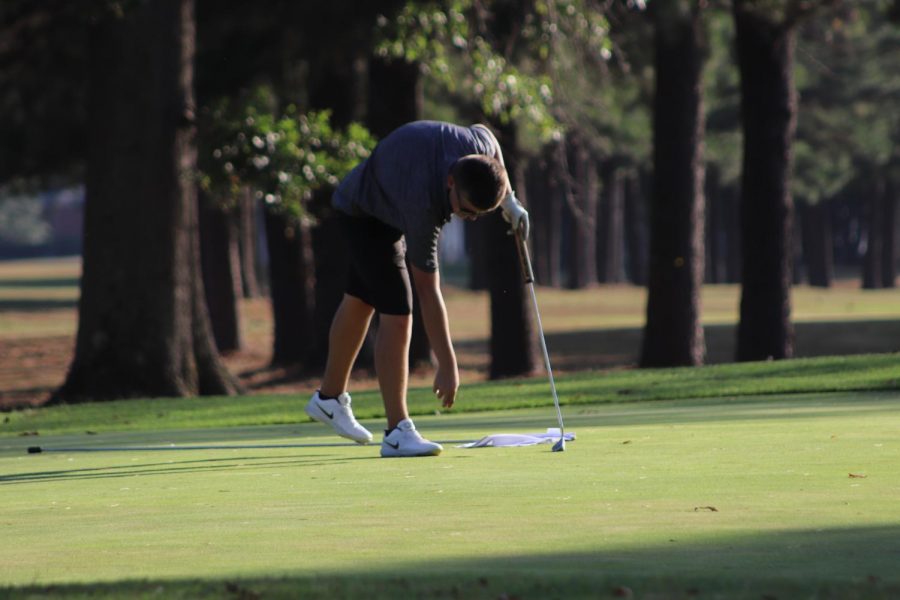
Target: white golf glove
[515, 214]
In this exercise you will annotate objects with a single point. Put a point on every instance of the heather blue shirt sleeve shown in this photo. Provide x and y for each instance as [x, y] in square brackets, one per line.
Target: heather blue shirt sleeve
[404, 182]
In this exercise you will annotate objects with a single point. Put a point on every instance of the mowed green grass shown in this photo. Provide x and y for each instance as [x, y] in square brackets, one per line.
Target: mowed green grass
[762, 480]
[748, 496]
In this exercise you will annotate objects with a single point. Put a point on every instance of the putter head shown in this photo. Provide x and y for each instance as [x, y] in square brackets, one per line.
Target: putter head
[560, 446]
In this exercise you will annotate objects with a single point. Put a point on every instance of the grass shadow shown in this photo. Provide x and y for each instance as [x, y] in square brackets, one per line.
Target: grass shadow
[205, 465]
[48, 282]
[36, 304]
[822, 563]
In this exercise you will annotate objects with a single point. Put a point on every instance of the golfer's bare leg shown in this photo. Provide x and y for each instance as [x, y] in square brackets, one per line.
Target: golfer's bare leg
[348, 331]
[392, 364]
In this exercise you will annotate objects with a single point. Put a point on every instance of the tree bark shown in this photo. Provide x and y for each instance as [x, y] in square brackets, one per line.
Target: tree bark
[728, 208]
[292, 288]
[582, 206]
[889, 236]
[871, 276]
[247, 236]
[636, 230]
[513, 342]
[765, 51]
[143, 328]
[714, 229]
[396, 95]
[673, 335]
[221, 265]
[545, 205]
[815, 221]
[611, 224]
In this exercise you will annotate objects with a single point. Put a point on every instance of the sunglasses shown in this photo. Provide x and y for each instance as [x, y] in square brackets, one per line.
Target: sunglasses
[466, 213]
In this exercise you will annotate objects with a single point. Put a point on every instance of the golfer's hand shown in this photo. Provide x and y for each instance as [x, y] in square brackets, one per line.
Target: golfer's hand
[446, 382]
[516, 215]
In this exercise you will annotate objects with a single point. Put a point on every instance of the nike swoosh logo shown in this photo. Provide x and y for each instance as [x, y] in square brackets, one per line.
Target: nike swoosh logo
[327, 414]
[394, 446]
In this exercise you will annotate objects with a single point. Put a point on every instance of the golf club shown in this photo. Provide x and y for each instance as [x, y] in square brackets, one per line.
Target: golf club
[528, 274]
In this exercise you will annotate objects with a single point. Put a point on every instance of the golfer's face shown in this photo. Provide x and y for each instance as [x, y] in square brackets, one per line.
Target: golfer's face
[462, 208]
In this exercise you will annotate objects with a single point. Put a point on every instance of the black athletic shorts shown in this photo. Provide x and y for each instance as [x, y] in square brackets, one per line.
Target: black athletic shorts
[378, 274]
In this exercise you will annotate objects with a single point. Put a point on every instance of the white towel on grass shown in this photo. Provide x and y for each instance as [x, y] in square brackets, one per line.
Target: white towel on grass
[505, 440]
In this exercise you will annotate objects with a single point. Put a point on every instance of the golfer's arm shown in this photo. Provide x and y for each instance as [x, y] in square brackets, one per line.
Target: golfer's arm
[434, 315]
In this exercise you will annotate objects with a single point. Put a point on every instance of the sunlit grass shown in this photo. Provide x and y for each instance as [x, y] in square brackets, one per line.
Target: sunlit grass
[779, 496]
[866, 372]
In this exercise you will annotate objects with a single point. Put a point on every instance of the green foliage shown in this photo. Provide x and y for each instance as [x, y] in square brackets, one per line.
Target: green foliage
[722, 98]
[553, 66]
[849, 117]
[282, 158]
[446, 40]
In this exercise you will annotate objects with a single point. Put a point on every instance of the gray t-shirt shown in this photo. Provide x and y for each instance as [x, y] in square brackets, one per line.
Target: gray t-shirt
[404, 182]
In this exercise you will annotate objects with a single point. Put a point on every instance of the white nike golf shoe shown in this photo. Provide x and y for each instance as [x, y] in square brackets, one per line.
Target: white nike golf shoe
[404, 440]
[339, 415]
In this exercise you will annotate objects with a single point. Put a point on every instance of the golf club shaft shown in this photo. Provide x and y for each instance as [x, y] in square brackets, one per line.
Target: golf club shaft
[528, 274]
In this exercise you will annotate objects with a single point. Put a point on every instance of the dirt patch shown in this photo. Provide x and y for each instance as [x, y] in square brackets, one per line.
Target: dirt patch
[32, 368]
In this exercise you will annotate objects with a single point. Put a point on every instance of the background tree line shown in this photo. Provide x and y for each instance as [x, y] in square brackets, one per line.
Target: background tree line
[667, 145]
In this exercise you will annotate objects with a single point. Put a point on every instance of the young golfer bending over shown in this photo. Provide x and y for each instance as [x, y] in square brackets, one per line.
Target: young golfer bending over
[391, 206]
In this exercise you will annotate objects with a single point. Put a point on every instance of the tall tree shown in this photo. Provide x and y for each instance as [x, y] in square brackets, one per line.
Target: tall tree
[846, 130]
[143, 328]
[673, 334]
[513, 343]
[583, 206]
[611, 234]
[220, 263]
[765, 40]
[544, 191]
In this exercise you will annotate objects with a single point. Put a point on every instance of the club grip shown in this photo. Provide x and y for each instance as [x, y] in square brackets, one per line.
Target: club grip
[524, 260]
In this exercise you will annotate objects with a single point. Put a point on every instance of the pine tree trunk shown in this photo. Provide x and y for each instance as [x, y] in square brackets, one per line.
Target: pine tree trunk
[247, 236]
[292, 283]
[142, 326]
[673, 335]
[765, 53]
[889, 236]
[796, 254]
[713, 227]
[513, 342]
[396, 95]
[610, 238]
[213, 378]
[545, 205]
[872, 268]
[221, 266]
[583, 209]
[731, 218]
[636, 230]
[815, 220]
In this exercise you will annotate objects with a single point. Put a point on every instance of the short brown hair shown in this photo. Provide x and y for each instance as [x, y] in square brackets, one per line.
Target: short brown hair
[481, 179]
